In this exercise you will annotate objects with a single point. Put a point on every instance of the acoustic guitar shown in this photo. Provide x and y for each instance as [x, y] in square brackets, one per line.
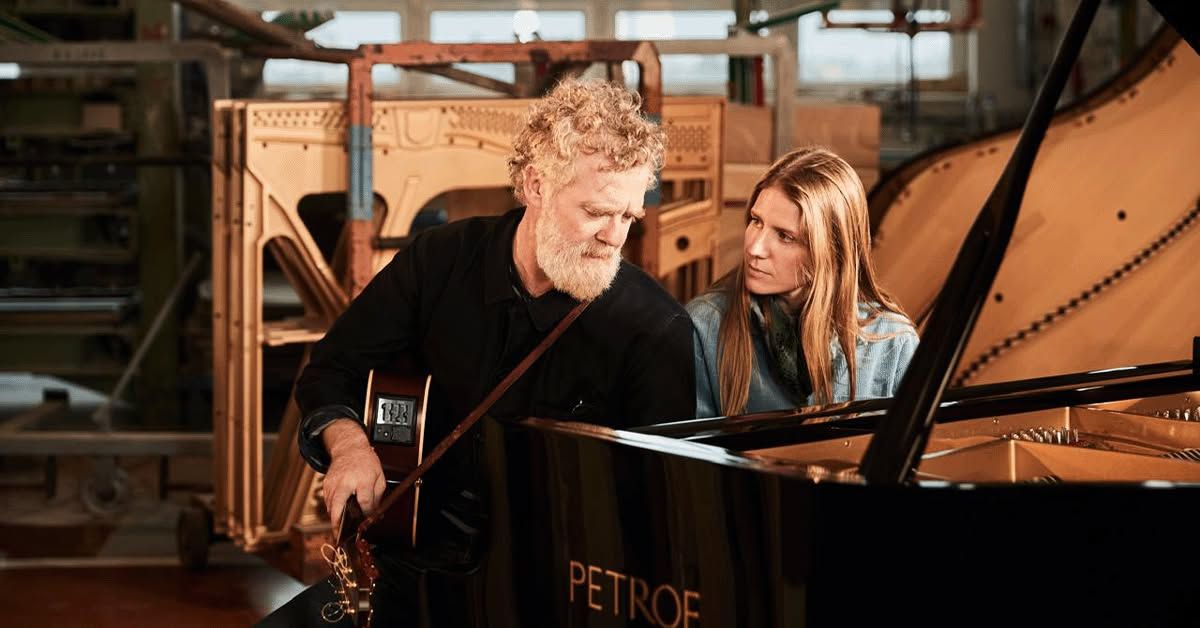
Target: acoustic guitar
[395, 414]
[396, 408]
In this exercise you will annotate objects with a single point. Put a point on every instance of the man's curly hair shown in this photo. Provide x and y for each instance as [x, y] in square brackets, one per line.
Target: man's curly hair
[582, 117]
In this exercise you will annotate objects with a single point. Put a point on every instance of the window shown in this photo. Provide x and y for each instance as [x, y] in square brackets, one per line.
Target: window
[673, 24]
[502, 27]
[692, 74]
[348, 29]
[849, 55]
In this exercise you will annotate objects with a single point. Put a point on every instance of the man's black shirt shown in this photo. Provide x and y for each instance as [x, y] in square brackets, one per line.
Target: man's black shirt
[452, 302]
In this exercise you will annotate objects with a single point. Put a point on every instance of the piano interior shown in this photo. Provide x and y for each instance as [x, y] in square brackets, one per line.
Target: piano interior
[1131, 441]
[1127, 441]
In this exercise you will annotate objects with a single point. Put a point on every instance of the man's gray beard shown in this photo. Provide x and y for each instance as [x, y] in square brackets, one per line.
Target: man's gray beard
[566, 263]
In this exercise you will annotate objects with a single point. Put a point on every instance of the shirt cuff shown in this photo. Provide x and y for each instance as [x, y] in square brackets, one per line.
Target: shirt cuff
[312, 448]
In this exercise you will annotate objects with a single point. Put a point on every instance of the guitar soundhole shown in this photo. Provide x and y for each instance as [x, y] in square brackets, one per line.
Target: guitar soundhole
[394, 418]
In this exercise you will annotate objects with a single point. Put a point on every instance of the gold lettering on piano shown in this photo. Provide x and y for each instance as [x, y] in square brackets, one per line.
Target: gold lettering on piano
[616, 577]
[593, 587]
[574, 580]
[667, 607]
[638, 600]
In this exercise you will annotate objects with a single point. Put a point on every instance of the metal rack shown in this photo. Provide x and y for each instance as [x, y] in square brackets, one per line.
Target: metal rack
[69, 215]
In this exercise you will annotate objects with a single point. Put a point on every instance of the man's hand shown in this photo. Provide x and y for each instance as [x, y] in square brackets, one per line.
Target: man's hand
[354, 469]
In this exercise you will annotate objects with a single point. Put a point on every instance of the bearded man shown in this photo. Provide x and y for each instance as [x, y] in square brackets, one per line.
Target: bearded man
[468, 301]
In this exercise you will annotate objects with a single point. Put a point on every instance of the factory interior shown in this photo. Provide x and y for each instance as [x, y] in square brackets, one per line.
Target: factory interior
[193, 191]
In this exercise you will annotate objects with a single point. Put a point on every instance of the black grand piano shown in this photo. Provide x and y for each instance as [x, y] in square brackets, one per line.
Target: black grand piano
[1060, 500]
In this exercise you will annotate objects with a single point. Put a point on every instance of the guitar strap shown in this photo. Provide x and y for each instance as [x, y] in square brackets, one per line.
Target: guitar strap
[415, 475]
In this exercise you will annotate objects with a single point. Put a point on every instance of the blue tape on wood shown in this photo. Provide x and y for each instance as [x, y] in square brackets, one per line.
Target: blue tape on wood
[360, 187]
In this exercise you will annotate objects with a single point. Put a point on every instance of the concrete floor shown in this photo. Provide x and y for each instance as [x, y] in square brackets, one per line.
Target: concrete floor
[64, 570]
[62, 564]
[141, 595]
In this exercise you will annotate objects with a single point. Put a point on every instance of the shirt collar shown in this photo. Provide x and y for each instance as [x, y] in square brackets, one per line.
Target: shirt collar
[545, 311]
[502, 282]
[498, 258]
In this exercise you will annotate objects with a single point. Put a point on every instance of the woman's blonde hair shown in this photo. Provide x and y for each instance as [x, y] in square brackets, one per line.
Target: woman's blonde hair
[582, 117]
[833, 208]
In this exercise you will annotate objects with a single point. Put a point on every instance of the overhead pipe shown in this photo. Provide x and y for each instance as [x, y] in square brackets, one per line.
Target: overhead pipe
[900, 22]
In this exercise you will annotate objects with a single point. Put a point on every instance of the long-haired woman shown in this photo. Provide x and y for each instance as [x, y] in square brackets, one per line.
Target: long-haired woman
[802, 320]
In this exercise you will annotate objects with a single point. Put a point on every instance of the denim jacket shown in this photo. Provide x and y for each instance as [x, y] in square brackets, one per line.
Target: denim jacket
[881, 363]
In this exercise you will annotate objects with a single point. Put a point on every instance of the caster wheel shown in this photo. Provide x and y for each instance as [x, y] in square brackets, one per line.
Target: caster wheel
[105, 494]
[193, 536]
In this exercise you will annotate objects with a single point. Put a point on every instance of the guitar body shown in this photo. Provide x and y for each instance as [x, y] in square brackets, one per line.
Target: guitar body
[395, 413]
